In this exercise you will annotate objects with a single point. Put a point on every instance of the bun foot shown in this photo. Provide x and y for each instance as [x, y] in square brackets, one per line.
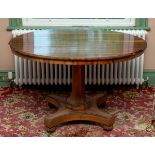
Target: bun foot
[107, 128]
[52, 129]
[52, 107]
[101, 102]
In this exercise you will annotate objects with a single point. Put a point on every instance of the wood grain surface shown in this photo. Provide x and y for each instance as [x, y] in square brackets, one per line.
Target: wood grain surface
[77, 46]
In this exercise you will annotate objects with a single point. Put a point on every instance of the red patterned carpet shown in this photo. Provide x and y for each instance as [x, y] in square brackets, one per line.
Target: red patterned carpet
[22, 112]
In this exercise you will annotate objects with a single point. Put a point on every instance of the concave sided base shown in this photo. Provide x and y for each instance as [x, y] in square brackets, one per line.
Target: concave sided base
[77, 106]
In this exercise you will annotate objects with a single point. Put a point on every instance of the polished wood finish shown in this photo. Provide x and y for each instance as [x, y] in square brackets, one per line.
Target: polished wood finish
[77, 48]
[92, 114]
[77, 100]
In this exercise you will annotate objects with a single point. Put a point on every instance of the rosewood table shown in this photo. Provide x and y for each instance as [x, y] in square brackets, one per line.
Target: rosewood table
[77, 47]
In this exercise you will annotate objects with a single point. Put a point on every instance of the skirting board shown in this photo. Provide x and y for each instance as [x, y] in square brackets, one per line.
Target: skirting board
[150, 73]
[4, 82]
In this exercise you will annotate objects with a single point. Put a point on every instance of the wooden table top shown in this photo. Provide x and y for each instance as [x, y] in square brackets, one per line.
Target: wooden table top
[77, 46]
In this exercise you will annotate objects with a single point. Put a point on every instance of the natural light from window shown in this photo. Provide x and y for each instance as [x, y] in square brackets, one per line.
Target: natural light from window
[78, 21]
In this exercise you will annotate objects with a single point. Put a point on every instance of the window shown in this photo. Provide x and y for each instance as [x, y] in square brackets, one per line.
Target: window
[78, 21]
[104, 23]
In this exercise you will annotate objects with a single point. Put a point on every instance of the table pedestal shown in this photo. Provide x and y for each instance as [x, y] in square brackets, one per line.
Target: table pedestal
[77, 106]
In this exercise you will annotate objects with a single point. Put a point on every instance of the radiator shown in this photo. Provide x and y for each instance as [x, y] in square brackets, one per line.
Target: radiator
[29, 72]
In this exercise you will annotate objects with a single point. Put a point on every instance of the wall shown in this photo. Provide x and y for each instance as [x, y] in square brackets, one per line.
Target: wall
[150, 51]
[7, 61]
[6, 57]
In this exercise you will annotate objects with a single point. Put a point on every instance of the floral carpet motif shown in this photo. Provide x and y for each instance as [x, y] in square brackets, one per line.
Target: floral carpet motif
[22, 112]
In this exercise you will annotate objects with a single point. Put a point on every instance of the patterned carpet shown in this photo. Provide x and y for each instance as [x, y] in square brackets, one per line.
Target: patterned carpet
[22, 112]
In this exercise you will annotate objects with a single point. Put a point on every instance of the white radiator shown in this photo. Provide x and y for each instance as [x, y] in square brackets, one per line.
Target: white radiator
[31, 72]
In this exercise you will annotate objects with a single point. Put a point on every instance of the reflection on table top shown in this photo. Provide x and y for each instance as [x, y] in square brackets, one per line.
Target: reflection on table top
[78, 45]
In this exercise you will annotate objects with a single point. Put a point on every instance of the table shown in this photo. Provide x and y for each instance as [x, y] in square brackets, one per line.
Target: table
[77, 47]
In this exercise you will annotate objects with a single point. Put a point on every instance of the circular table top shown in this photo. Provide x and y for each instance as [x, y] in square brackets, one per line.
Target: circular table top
[77, 46]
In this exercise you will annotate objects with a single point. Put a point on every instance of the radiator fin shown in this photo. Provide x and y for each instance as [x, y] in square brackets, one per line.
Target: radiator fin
[31, 72]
